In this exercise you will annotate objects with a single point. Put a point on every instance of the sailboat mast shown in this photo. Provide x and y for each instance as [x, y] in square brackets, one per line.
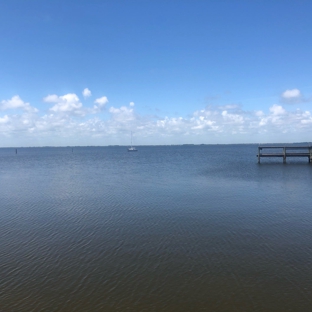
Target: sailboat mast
[131, 148]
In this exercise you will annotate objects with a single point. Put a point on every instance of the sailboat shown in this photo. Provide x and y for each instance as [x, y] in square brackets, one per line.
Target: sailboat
[132, 148]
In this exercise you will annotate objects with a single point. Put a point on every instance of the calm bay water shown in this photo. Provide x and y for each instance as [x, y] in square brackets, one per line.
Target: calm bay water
[172, 228]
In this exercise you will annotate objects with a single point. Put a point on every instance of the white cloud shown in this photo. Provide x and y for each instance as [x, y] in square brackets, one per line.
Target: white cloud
[4, 119]
[293, 96]
[122, 114]
[51, 98]
[131, 104]
[100, 104]
[307, 118]
[68, 103]
[277, 110]
[234, 118]
[218, 124]
[86, 92]
[17, 103]
[101, 101]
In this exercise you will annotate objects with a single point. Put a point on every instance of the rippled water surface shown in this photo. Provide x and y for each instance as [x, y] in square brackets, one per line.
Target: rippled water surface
[181, 228]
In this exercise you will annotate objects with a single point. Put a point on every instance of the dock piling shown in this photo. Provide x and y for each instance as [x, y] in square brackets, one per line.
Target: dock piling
[284, 155]
[285, 151]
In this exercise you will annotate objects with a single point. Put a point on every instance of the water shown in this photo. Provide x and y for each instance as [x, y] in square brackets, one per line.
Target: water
[181, 228]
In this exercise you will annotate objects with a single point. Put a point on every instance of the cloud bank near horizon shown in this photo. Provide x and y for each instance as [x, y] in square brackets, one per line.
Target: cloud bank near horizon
[67, 121]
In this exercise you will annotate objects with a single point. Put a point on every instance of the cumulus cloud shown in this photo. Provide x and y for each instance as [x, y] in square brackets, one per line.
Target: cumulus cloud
[122, 114]
[277, 110]
[86, 93]
[51, 98]
[131, 104]
[101, 101]
[221, 124]
[293, 96]
[306, 118]
[17, 103]
[100, 104]
[233, 118]
[68, 103]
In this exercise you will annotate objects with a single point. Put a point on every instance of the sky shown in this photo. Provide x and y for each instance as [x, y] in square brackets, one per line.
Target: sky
[80, 73]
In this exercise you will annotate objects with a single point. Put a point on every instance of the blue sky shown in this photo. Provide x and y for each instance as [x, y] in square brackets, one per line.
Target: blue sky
[170, 71]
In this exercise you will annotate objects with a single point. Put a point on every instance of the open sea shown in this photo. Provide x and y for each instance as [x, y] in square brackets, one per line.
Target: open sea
[168, 228]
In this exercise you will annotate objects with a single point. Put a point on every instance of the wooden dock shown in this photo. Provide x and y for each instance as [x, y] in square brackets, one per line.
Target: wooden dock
[284, 152]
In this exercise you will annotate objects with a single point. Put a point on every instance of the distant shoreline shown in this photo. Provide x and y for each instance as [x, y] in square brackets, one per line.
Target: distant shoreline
[155, 145]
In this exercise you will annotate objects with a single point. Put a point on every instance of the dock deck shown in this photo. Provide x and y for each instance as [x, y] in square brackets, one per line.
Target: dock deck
[285, 151]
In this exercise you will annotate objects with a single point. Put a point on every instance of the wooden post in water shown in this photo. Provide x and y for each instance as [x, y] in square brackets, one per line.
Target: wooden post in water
[284, 155]
[310, 152]
[259, 148]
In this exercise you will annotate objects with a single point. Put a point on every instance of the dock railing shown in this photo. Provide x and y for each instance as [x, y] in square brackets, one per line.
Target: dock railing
[284, 152]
